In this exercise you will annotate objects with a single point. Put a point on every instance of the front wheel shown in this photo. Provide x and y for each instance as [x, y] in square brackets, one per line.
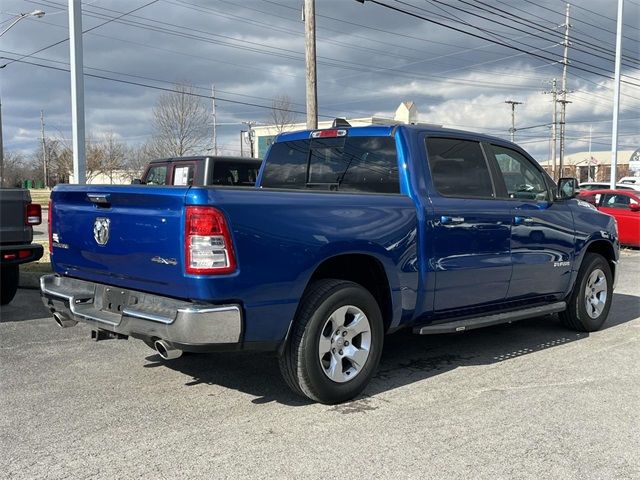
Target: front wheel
[590, 301]
[9, 277]
[335, 344]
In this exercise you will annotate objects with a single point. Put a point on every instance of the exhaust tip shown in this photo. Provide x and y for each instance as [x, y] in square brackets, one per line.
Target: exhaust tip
[63, 321]
[166, 350]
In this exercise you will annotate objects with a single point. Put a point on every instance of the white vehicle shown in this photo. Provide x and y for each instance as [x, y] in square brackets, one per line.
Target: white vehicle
[630, 180]
[605, 186]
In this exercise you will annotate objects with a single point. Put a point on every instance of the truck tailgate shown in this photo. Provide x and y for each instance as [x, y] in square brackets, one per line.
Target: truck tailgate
[125, 235]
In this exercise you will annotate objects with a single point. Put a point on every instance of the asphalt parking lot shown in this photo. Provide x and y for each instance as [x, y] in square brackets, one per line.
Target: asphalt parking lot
[527, 400]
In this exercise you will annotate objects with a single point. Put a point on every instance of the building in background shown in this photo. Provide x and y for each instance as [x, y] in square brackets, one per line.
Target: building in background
[263, 135]
[596, 166]
[117, 177]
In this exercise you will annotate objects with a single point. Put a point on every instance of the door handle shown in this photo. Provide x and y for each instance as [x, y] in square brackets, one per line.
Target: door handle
[449, 220]
[522, 220]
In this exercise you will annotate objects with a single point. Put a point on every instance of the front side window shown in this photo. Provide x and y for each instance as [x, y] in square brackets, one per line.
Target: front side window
[348, 164]
[458, 168]
[157, 175]
[616, 200]
[522, 179]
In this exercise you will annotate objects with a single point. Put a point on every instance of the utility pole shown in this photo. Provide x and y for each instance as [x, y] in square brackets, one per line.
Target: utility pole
[512, 130]
[554, 126]
[309, 16]
[616, 99]
[44, 151]
[250, 134]
[564, 101]
[213, 114]
[77, 91]
[242, 142]
[1, 150]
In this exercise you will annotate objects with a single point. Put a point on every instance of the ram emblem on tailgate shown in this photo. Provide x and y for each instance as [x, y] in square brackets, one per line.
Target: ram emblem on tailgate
[101, 230]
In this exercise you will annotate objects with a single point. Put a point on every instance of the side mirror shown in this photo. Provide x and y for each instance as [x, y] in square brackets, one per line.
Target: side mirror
[634, 207]
[136, 181]
[567, 188]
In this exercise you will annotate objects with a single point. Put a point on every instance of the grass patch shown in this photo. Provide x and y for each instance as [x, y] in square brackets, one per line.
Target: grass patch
[45, 256]
[36, 267]
[40, 195]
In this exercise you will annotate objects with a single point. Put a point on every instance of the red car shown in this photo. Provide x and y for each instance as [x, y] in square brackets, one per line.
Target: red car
[624, 205]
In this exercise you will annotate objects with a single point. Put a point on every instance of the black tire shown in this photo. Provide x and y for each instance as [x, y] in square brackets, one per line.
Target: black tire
[300, 364]
[576, 316]
[9, 277]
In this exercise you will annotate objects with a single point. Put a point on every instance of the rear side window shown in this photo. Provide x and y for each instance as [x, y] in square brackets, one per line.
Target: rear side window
[234, 173]
[458, 168]
[183, 174]
[349, 164]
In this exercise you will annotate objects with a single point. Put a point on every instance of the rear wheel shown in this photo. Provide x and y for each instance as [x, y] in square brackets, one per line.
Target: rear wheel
[589, 303]
[9, 277]
[335, 344]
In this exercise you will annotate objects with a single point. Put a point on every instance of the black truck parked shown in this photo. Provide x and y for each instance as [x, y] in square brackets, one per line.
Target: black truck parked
[204, 170]
[17, 218]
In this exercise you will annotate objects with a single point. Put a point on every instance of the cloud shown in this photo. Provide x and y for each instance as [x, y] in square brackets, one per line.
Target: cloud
[370, 59]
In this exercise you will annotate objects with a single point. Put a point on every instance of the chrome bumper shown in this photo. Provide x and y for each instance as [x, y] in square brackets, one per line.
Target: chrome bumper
[141, 314]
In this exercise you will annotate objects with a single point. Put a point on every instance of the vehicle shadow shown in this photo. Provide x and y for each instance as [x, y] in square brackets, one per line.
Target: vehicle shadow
[406, 359]
[25, 306]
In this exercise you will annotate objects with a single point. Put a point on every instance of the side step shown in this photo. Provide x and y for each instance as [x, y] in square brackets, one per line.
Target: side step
[495, 319]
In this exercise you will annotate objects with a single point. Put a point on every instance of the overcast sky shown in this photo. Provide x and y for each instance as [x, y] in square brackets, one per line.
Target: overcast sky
[370, 58]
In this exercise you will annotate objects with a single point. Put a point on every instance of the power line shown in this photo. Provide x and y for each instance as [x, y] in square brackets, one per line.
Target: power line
[536, 26]
[85, 31]
[165, 89]
[512, 47]
[486, 31]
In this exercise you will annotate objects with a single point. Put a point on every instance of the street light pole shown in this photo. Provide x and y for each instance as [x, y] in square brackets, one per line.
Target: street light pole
[77, 91]
[37, 14]
[616, 99]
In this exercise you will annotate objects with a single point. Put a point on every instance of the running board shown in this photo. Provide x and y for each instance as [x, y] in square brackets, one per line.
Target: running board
[496, 319]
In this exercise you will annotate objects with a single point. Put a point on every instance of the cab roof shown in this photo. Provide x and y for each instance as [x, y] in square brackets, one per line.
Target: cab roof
[388, 130]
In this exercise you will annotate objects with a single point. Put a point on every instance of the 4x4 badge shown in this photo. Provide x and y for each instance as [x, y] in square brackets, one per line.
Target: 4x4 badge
[101, 230]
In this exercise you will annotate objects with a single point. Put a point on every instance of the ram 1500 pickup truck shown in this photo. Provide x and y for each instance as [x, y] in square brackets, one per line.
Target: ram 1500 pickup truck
[350, 234]
[17, 218]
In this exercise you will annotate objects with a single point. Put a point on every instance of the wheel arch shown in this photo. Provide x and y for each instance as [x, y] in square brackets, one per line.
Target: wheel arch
[604, 248]
[364, 269]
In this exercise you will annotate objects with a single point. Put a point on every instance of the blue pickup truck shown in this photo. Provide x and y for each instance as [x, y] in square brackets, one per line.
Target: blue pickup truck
[351, 233]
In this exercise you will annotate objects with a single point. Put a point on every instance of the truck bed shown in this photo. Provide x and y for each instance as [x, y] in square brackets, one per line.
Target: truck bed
[279, 239]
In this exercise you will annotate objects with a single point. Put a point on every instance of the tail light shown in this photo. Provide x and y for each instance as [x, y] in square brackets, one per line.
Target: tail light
[50, 226]
[208, 247]
[33, 214]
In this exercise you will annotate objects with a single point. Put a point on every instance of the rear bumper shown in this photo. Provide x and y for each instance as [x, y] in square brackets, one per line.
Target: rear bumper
[17, 254]
[184, 324]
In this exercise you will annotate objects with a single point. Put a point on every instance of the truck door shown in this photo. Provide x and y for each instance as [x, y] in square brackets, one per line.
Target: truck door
[470, 229]
[542, 233]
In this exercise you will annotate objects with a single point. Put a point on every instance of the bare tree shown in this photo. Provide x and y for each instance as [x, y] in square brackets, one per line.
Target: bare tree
[113, 153]
[180, 120]
[15, 169]
[137, 158]
[281, 114]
